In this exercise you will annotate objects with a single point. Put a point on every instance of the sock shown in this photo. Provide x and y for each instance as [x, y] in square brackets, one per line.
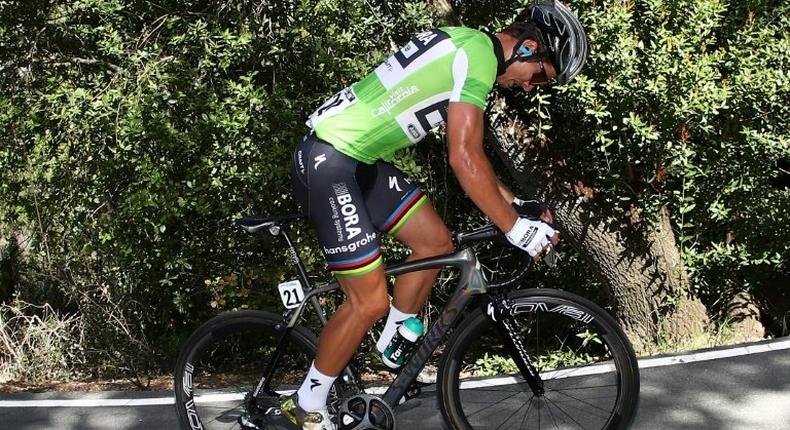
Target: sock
[314, 390]
[394, 319]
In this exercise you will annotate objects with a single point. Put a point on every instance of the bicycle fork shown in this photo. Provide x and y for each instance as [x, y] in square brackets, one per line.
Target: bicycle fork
[499, 310]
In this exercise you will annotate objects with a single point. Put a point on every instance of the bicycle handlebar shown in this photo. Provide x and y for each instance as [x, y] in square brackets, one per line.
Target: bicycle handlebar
[486, 232]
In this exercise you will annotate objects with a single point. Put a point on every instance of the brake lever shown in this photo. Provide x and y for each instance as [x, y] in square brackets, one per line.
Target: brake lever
[551, 257]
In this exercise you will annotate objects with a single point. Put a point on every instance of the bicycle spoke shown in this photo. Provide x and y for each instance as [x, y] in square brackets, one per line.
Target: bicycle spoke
[585, 402]
[508, 419]
[548, 408]
[583, 388]
[529, 408]
[495, 404]
[566, 414]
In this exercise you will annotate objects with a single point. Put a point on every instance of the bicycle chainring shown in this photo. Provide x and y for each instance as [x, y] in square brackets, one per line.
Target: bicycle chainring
[365, 412]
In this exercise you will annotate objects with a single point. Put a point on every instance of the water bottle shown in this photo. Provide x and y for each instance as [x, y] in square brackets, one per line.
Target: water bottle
[402, 343]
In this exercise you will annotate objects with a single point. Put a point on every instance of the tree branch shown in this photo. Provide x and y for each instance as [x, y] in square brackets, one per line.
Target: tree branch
[447, 13]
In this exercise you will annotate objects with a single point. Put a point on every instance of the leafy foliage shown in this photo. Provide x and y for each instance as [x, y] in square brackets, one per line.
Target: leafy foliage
[136, 131]
[686, 102]
[684, 105]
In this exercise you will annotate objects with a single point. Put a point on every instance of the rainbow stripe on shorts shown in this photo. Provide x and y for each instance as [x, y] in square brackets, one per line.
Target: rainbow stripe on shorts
[407, 208]
[357, 266]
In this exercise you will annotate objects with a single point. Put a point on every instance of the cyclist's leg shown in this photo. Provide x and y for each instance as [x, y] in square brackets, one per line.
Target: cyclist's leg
[427, 236]
[325, 186]
[366, 302]
[398, 207]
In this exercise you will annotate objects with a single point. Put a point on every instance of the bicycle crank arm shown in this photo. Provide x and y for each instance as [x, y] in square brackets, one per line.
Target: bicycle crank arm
[499, 312]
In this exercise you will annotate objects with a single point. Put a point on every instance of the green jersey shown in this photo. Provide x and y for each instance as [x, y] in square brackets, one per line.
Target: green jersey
[406, 96]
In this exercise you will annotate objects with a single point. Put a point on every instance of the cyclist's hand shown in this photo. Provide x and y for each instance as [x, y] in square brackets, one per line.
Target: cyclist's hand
[532, 236]
[533, 209]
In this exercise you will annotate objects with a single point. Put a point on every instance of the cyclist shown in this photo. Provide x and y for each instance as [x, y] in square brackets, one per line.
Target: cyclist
[349, 191]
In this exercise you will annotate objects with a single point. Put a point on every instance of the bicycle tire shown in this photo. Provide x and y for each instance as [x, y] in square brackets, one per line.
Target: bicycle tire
[465, 407]
[223, 360]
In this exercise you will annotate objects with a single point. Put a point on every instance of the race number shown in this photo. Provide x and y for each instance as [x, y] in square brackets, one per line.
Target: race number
[291, 294]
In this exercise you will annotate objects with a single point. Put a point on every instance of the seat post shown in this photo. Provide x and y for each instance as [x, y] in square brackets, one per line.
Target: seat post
[296, 259]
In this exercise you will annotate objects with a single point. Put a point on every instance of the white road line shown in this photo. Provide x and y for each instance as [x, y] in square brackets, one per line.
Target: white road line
[644, 363]
[85, 403]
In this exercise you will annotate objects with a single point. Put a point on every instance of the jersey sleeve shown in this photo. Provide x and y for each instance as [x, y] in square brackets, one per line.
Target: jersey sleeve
[474, 72]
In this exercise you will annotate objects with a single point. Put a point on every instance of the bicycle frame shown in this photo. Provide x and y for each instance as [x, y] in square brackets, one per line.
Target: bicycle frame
[471, 283]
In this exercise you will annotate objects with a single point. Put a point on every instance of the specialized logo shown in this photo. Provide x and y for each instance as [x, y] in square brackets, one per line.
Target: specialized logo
[318, 160]
[398, 95]
[314, 383]
[491, 312]
[348, 210]
[394, 183]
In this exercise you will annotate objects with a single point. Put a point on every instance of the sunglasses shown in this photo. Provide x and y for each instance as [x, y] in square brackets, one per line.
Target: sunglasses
[541, 78]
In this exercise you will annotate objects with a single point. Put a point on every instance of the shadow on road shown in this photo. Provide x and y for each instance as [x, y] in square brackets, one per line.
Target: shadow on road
[749, 392]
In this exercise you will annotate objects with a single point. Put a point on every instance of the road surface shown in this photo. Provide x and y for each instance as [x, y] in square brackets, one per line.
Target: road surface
[736, 388]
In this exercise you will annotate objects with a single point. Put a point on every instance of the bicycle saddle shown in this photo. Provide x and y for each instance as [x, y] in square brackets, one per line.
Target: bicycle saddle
[254, 223]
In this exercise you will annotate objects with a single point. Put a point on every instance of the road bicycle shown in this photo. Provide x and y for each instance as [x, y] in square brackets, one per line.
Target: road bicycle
[511, 358]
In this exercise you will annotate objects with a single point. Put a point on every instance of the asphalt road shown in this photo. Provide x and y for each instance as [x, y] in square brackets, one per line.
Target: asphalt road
[740, 392]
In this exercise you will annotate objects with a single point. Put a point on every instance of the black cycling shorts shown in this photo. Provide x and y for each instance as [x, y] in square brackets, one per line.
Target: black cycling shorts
[348, 202]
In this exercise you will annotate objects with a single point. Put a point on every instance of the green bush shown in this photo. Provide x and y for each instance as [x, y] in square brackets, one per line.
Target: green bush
[136, 132]
[684, 105]
[139, 131]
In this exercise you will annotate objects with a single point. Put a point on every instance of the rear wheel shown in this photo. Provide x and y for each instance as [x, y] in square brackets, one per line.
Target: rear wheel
[223, 361]
[585, 361]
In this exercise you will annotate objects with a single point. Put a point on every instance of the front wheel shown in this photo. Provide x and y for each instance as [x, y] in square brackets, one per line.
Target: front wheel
[586, 363]
[224, 360]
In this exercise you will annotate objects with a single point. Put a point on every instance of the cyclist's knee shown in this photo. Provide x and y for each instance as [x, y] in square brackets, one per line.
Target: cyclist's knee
[438, 244]
[367, 296]
[373, 309]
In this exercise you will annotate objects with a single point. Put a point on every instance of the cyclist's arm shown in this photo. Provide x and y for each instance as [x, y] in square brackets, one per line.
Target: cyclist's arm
[505, 191]
[471, 166]
[508, 195]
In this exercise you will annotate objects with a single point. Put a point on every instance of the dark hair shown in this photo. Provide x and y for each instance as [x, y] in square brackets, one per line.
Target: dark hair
[520, 28]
